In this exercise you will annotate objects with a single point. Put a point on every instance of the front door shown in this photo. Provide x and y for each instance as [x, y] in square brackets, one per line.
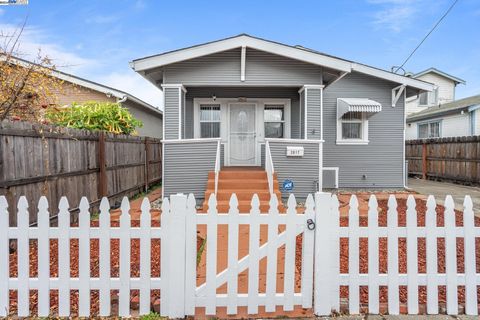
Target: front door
[242, 134]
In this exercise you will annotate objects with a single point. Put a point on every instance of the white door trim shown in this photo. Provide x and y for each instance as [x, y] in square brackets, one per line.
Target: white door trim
[257, 158]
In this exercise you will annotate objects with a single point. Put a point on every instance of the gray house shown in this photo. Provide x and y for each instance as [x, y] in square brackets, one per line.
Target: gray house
[245, 115]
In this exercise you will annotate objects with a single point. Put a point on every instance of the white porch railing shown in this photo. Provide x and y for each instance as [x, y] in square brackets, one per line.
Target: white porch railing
[269, 167]
[217, 165]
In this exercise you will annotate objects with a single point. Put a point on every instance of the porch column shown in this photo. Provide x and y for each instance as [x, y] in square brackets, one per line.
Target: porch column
[174, 111]
[311, 105]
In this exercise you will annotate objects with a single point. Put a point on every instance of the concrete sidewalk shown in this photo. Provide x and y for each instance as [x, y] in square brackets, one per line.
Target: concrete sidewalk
[441, 189]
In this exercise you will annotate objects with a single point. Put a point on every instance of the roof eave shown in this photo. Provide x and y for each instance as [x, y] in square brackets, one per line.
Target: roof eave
[309, 56]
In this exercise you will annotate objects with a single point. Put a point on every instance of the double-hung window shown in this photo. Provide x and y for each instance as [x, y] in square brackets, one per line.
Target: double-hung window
[210, 121]
[429, 130]
[274, 119]
[352, 128]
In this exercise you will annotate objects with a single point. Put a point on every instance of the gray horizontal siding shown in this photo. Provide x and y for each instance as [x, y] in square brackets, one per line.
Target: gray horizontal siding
[302, 171]
[262, 155]
[314, 111]
[170, 113]
[186, 167]
[382, 159]
[262, 68]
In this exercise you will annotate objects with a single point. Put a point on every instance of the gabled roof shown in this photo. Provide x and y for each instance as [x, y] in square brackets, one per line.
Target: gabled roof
[465, 104]
[294, 52]
[441, 73]
[119, 94]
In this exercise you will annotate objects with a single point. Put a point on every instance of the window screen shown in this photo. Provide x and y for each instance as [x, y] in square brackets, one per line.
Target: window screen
[352, 123]
[209, 121]
[274, 118]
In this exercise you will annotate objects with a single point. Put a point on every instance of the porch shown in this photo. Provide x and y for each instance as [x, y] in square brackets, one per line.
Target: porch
[231, 127]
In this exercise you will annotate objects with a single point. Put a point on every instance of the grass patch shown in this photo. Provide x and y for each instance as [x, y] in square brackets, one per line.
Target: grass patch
[200, 251]
[143, 193]
[151, 316]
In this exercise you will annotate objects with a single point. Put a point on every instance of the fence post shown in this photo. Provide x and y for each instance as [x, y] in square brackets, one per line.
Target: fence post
[323, 247]
[147, 163]
[176, 259]
[424, 161]
[102, 165]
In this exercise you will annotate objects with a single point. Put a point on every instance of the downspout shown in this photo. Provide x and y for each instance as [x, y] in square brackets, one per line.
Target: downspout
[122, 100]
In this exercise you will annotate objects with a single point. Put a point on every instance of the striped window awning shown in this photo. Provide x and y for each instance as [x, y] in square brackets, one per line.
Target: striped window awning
[345, 105]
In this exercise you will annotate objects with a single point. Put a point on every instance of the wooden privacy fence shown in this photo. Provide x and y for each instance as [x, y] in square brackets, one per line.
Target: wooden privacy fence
[455, 159]
[310, 275]
[38, 160]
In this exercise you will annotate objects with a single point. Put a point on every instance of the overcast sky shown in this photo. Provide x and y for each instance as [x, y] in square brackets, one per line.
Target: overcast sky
[97, 39]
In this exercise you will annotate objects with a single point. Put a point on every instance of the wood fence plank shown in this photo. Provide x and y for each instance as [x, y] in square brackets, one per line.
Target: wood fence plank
[353, 257]
[373, 284]
[431, 242]
[451, 256]
[125, 259]
[471, 307]
[393, 285]
[254, 237]
[146, 256]
[211, 266]
[23, 261]
[4, 257]
[43, 258]
[165, 251]
[64, 258]
[104, 255]
[412, 256]
[84, 259]
[191, 255]
[335, 253]
[290, 244]
[308, 254]
[233, 255]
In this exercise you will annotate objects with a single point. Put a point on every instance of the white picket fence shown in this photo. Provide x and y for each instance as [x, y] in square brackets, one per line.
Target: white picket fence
[180, 295]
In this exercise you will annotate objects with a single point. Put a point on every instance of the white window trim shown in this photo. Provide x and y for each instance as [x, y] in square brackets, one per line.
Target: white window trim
[363, 141]
[209, 121]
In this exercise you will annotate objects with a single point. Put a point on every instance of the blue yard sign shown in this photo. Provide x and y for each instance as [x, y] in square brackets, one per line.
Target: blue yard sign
[288, 185]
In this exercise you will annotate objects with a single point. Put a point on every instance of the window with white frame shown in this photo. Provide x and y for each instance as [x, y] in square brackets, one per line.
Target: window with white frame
[274, 120]
[428, 98]
[352, 128]
[429, 130]
[210, 121]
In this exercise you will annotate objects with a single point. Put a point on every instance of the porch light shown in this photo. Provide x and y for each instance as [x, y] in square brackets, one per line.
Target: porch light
[242, 99]
[214, 97]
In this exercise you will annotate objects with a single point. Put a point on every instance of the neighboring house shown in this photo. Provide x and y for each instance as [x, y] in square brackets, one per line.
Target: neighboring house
[444, 91]
[76, 89]
[454, 119]
[314, 120]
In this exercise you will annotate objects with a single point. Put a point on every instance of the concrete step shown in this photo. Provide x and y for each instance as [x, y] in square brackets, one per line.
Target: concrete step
[243, 206]
[222, 194]
[239, 184]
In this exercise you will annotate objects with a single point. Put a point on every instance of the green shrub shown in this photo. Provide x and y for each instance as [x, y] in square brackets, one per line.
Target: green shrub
[93, 115]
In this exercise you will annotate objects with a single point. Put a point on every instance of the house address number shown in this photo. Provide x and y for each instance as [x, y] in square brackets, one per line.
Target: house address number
[294, 151]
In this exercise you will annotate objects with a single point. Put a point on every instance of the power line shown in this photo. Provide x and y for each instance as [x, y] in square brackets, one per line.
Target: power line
[428, 34]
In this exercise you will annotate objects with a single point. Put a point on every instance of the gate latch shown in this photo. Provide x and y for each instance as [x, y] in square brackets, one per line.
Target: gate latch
[310, 224]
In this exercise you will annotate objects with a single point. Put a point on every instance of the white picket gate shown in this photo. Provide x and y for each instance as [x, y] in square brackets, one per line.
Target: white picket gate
[180, 295]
